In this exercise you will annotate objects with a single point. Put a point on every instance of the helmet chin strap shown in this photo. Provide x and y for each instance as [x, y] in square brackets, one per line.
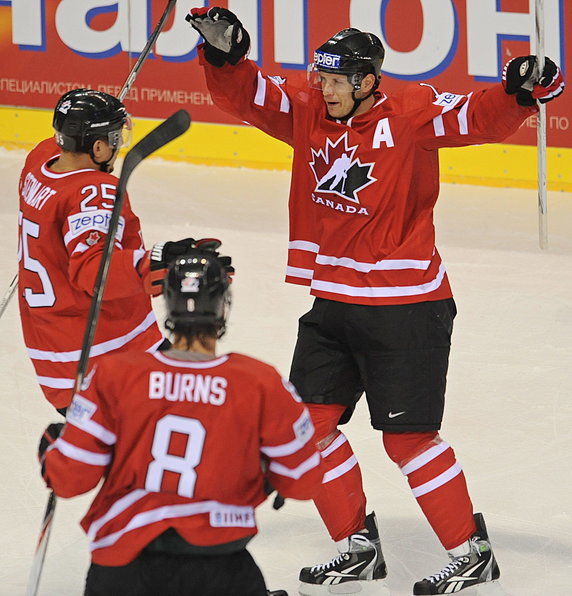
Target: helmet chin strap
[358, 101]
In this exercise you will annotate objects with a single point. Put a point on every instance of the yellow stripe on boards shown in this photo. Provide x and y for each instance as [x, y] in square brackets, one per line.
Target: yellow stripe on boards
[244, 146]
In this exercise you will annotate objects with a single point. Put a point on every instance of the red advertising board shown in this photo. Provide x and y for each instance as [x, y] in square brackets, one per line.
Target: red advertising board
[50, 46]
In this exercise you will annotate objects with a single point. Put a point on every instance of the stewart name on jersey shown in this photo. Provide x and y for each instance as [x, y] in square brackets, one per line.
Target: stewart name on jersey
[63, 221]
[179, 443]
[363, 191]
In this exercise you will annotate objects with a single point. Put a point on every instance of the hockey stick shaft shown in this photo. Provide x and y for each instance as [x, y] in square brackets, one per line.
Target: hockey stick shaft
[146, 50]
[8, 294]
[168, 130]
[36, 570]
[124, 91]
[541, 133]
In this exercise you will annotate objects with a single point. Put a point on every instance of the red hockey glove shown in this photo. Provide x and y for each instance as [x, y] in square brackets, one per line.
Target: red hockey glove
[50, 435]
[521, 78]
[225, 38]
[153, 266]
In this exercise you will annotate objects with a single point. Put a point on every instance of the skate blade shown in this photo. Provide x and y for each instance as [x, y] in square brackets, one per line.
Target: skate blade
[375, 587]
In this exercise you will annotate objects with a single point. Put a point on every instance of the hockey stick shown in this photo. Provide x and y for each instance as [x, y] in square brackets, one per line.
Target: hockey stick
[124, 91]
[8, 294]
[146, 50]
[41, 547]
[168, 130]
[541, 133]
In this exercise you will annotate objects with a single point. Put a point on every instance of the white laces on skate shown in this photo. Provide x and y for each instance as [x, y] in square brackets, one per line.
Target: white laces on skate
[447, 571]
[325, 566]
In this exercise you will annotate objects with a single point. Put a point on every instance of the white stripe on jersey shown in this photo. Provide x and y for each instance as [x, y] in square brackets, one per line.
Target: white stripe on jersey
[299, 272]
[303, 245]
[50, 174]
[151, 516]
[383, 265]
[292, 446]
[97, 349]
[260, 95]
[462, 116]
[190, 364]
[116, 509]
[380, 291]
[312, 462]
[284, 102]
[56, 383]
[82, 455]
[94, 429]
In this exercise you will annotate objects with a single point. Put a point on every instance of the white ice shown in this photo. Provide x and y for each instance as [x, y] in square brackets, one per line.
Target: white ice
[509, 413]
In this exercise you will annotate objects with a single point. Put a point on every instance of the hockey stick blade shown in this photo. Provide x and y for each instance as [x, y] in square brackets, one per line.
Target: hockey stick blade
[168, 130]
[39, 555]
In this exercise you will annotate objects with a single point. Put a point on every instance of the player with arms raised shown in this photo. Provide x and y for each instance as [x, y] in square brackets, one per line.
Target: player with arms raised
[365, 179]
[67, 194]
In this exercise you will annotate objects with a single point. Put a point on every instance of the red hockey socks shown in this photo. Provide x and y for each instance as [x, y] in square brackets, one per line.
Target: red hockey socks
[437, 482]
[341, 501]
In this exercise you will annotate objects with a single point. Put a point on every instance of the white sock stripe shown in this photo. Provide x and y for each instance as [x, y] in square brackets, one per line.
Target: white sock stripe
[340, 470]
[425, 458]
[335, 444]
[440, 480]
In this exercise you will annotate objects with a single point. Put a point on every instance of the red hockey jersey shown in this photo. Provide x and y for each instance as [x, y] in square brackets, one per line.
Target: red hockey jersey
[63, 221]
[363, 191]
[179, 444]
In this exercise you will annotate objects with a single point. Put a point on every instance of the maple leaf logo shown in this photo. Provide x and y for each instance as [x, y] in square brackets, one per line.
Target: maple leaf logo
[93, 238]
[336, 171]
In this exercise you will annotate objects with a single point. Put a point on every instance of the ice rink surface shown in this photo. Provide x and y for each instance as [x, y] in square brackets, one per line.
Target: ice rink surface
[509, 412]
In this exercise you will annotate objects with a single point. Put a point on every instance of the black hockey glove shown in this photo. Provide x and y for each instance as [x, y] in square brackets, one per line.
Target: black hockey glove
[153, 266]
[521, 78]
[225, 38]
[50, 435]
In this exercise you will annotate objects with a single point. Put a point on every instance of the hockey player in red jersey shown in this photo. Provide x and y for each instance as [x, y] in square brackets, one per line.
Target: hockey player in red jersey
[179, 436]
[365, 179]
[67, 193]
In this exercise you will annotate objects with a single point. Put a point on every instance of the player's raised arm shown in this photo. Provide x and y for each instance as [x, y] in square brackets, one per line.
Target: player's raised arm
[236, 84]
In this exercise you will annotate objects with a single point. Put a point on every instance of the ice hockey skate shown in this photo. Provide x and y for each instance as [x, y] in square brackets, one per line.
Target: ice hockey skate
[477, 566]
[358, 565]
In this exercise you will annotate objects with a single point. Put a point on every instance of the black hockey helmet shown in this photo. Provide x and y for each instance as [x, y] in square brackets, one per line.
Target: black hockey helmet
[197, 290]
[351, 52]
[83, 116]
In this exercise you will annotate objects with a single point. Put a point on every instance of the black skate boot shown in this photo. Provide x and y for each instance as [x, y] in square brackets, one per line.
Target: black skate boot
[361, 561]
[477, 566]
